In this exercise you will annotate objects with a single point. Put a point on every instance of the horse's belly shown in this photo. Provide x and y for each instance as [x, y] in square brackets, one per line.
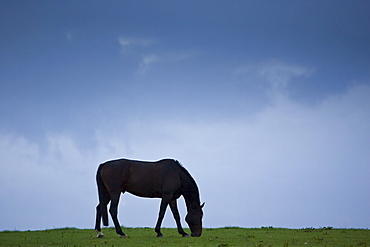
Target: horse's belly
[149, 194]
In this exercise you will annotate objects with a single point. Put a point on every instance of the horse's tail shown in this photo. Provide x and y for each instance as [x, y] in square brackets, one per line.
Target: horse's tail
[103, 196]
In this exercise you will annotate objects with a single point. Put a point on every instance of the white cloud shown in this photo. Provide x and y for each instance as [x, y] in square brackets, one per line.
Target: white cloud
[130, 43]
[17, 155]
[146, 53]
[286, 160]
[123, 41]
[40, 181]
[288, 165]
[280, 74]
[69, 36]
[276, 73]
[146, 63]
[141, 50]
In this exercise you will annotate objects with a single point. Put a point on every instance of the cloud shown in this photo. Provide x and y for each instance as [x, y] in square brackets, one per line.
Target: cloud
[145, 64]
[39, 180]
[163, 58]
[148, 52]
[280, 74]
[69, 36]
[276, 73]
[283, 166]
[128, 44]
[287, 165]
[140, 50]
[124, 42]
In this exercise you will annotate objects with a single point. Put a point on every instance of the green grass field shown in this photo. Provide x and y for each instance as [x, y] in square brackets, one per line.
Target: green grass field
[218, 237]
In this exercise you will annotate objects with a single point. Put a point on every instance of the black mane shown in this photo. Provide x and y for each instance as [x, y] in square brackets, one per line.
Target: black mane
[186, 173]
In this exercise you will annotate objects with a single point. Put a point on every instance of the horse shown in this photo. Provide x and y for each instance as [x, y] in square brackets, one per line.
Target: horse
[166, 179]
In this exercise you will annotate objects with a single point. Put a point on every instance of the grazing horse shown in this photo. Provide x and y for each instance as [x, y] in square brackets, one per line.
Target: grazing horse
[166, 179]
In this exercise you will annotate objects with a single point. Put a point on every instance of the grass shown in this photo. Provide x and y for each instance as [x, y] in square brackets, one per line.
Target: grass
[216, 237]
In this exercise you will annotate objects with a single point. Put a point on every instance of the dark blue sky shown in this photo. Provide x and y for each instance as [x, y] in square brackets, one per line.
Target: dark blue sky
[247, 86]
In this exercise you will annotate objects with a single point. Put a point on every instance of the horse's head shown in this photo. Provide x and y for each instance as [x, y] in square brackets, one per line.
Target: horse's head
[194, 220]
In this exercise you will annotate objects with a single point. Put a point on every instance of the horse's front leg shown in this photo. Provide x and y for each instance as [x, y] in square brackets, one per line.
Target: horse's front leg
[162, 210]
[176, 215]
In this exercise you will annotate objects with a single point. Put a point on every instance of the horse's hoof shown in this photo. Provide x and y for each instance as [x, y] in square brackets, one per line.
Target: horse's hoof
[100, 235]
[123, 236]
[160, 236]
[185, 236]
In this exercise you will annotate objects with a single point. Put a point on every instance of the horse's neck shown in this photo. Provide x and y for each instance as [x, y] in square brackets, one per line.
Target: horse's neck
[191, 196]
[192, 203]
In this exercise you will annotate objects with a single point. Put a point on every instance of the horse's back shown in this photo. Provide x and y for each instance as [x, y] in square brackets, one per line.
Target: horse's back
[141, 178]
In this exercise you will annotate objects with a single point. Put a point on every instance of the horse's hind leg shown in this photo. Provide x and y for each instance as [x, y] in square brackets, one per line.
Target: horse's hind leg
[99, 215]
[98, 222]
[114, 213]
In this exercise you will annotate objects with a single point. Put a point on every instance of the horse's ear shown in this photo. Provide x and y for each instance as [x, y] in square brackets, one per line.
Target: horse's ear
[202, 205]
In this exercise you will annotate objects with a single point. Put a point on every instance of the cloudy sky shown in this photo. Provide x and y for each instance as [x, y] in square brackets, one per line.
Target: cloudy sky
[266, 103]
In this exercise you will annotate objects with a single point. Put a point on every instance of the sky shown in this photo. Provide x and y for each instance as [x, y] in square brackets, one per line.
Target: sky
[266, 103]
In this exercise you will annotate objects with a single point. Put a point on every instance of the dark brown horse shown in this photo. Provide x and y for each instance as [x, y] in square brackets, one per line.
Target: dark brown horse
[166, 179]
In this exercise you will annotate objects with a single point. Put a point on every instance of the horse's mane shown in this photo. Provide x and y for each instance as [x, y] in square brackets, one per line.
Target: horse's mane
[187, 174]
